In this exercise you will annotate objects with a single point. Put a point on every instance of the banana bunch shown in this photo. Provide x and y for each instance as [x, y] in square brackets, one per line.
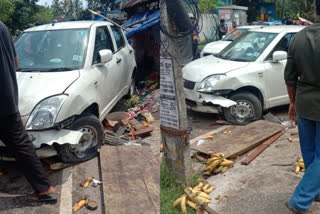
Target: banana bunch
[199, 193]
[300, 166]
[217, 163]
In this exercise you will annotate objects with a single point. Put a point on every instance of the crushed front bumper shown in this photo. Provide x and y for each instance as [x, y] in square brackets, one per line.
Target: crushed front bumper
[43, 141]
[206, 103]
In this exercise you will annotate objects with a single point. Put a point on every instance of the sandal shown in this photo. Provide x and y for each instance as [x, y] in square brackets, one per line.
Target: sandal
[296, 211]
[53, 197]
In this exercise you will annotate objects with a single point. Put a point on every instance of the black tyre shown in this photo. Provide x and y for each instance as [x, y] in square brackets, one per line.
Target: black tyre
[88, 146]
[132, 88]
[249, 109]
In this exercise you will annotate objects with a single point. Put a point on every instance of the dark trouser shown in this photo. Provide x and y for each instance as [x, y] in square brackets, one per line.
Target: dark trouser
[14, 135]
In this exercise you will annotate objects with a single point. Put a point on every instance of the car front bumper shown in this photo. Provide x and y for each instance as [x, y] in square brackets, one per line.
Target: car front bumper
[43, 140]
[206, 103]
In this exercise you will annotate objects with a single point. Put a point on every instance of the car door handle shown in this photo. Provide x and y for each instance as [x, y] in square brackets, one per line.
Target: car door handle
[118, 60]
[130, 51]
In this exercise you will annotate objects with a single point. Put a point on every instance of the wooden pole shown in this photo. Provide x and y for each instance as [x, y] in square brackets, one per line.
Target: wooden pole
[174, 123]
[109, 20]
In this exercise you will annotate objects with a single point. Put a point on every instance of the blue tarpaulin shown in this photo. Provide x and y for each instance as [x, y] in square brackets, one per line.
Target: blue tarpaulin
[153, 17]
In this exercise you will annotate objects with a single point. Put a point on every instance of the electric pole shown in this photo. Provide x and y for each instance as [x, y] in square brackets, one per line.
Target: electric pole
[174, 120]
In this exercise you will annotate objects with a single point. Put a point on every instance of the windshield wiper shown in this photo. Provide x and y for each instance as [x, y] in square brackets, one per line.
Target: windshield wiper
[221, 57]
[60, 69]
[28, 70]
[239, 60]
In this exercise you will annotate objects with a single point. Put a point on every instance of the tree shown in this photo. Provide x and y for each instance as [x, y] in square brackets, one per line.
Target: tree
[43, 16]
[209, 6]
[7, 8]
[56, 8]
[101, 5]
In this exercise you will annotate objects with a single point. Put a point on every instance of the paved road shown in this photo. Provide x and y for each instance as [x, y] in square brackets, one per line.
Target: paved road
[14, 187]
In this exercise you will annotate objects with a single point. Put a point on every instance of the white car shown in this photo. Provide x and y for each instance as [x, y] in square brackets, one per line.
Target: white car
[244, 79]
[217, 46]
[70, 76]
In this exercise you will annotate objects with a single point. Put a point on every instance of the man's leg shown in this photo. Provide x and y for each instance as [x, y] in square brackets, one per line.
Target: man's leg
[309, 186]
[15, 137]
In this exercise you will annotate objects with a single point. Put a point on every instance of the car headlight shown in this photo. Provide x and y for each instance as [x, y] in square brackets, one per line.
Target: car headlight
[207, 85]
[45, 113]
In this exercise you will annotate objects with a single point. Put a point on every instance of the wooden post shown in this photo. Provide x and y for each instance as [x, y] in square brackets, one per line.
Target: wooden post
[174, 124]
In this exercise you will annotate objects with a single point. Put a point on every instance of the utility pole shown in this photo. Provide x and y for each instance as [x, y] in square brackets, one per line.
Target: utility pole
[174, 120]
[283, 8]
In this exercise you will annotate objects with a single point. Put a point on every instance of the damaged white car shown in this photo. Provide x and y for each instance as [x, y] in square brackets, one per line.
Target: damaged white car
[70, 76]
[243, 80]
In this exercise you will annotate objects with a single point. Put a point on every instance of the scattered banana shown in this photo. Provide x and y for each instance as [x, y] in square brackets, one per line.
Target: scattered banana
[208, 137]
[300, 166]
[217, 163]
[80, 204]
[200, 192]
[86, 183]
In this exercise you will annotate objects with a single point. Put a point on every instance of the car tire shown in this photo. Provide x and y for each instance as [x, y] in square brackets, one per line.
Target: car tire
[249, 109]
[132, 88]
[90, 141]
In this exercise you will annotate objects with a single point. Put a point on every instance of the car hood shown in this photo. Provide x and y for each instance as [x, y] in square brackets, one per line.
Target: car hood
[216, 47]
[34, 87]
[201, 68]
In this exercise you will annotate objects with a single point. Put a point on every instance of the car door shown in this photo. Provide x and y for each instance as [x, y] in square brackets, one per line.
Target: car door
[108, 73]
[122, 56]
[274, 71]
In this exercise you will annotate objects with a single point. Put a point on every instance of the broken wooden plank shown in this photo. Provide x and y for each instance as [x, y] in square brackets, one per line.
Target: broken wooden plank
[261, 148]
[131, 180]
[136, 124]
[241, 139]
[143, 131]
[213, 132]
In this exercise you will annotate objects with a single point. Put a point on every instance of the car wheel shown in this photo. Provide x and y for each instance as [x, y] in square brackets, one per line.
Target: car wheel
[132, 88]
[249, 109]
[87, 148]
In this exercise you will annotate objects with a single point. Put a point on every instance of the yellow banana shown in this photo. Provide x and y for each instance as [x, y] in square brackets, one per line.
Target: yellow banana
[204, 200]
[301, 165]
[192, 204]
[208, 137]
[79, 205]
[221, 155]
[213, 165]
[206, 186]
[297, 170]
[224, 169]
[209, 190]
[177, 202]
[226, 162]
[213, 159]
[183, 204]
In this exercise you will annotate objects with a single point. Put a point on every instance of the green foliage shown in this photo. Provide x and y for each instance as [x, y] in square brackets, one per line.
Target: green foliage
[101, 5]
[302, 8]
[7, 8]
[172, 189]
[209, 6]
[43, 16]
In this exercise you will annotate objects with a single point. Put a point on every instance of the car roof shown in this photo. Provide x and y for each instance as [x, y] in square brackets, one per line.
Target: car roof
[250, 26]
[279, 28]
[66, 25]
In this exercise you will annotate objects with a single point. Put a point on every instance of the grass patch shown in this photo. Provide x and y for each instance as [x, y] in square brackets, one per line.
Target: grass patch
[172, 189]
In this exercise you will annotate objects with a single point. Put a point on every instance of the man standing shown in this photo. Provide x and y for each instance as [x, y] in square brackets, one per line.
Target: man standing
[302, 77]
[222, 29]
[12, 131]
[234, 26]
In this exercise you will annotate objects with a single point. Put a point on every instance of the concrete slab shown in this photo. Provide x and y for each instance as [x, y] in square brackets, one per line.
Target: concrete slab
[260, 188]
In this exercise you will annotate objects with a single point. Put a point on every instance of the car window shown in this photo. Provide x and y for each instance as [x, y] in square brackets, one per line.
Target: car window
[283, 45]
[102, 41]
[233, 35]
[51, 50]
[118, 37]
[248, 47]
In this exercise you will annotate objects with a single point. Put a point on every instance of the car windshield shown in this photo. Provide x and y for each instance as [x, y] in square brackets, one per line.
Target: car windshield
[248, 48]
[233, 35]
[48, 51]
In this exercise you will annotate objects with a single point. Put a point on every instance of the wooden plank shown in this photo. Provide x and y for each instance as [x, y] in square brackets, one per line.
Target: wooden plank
[131, 180]
[261, 148]
[213, 132]
[241, 139]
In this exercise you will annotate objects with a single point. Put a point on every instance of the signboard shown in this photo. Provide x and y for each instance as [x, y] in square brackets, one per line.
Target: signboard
[169, 115]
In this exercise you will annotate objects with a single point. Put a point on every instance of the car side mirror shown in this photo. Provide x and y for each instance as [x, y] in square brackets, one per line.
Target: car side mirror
[105, 56]
[279, 56]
